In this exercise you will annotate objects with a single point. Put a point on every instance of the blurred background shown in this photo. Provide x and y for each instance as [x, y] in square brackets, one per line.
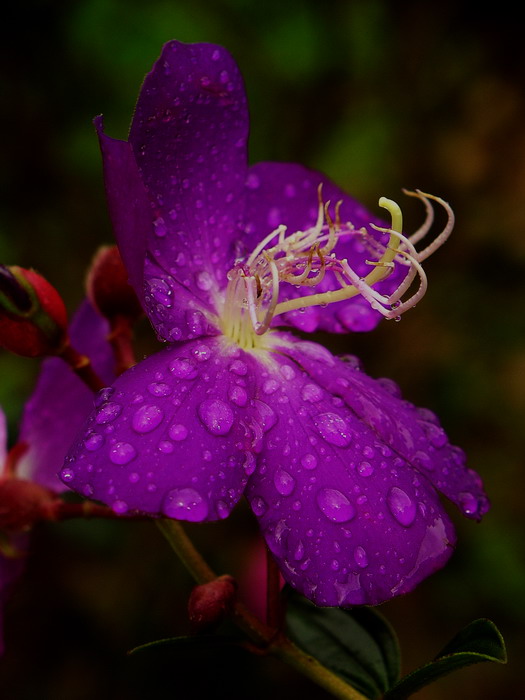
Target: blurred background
[380, 95]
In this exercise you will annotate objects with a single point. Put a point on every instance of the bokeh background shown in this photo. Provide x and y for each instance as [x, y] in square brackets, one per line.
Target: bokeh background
[380, 95]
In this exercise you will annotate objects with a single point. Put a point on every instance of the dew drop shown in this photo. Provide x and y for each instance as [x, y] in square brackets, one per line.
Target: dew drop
[311, 393]
[204, 280]
[467, 502]
[67, 474]
[178, 432]
[103, 395]
[249, 463]
[333, 429]
[185, 504]
[335, 505]
[166, 447]
[222, 509]
[122, 453]
[147, 418]
[299, 551]
[160, 291]
[309, 461]
[216, 416]
[159, 227]
[259, 506]
[108, 412]
[183, 368]
[270, 386]
[365, 468]
[119, 507]
[401, 506]
[159, 389]
[87, 490]
[284, 482]
[238, 395]
[288, 372]
[360, 557]
[93, 441]
[239, 367]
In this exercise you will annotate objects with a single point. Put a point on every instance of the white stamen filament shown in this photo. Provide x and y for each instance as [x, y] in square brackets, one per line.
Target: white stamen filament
[304, 258]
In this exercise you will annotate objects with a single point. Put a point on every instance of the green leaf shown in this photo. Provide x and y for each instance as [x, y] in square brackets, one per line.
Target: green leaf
[205, 643]
[358, 645]
[479, 641]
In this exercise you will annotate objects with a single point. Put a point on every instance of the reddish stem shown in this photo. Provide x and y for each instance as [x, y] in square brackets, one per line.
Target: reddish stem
[81, 365]
[120, 339]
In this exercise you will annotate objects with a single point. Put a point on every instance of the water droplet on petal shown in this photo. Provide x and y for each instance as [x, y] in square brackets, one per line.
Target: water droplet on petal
[239, 367]
[360, 557]
[185, 504]
[216, 416]
[108, 412]
[160, 291]
[166, 447]
[119, 507]
[311, 393]
[122, 453]
[333, 429]
[87, 490]
[401, 506]
[159, 389]
[259, 506]
[222, 509]
[204, 280]
[467, 502]
[147, 418]
[335, 505]
[270, 386]
[299, 551]
[284, 482]
[266, 415]
[183, 368]
[288, 372]
[365, 469]
[93, 441]
[178, 432]
[103, 395]
[422, 459]
[249, 463]
[238, 395]
[67, 474]
[309, 461]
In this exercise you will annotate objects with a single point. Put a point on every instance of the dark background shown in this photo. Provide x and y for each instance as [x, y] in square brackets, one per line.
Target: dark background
[380, 96]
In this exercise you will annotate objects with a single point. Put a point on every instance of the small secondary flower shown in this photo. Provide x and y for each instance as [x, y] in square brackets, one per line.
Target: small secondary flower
[341, 473]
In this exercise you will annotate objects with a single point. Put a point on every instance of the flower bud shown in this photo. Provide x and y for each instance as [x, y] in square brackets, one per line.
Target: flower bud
[108, 288]
[210, 603]
[33, 318]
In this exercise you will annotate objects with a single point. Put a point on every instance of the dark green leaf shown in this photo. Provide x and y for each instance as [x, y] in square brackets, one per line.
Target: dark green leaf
[187, 645]
[479, 641]
[358, 645]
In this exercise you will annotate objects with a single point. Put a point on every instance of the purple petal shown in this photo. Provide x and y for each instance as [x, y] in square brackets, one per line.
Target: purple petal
[413, 433]
[348, 521]
[170, 437]
[189, 136]
[61, 401]
[286, 193]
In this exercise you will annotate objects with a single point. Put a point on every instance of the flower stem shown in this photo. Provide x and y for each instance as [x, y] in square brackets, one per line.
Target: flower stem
[120, 339]
[268, 639]
[81, 365]
[274, 611]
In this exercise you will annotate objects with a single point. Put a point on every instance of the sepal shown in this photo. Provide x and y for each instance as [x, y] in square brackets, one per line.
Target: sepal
[33, 317]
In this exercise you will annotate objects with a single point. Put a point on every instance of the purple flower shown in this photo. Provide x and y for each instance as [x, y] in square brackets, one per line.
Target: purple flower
[339, 470]
[51, 419]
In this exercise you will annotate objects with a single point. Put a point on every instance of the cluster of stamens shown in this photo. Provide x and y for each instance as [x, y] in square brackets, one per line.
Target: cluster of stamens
[304, 258]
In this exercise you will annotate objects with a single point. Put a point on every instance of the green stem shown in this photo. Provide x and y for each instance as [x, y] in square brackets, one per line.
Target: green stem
[265, 637]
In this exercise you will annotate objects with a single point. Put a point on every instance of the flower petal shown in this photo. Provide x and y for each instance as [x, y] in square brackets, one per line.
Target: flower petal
[189, 135]
[413, 433]
[348, 521]
[61, 401]
[170, 437]
[286, 193]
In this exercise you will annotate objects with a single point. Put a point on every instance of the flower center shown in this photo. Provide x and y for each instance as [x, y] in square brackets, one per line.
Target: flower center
[307, 258]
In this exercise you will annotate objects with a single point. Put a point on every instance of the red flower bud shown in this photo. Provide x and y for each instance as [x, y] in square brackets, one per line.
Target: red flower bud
[33, 318]
[211, 602]
[108, 288]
